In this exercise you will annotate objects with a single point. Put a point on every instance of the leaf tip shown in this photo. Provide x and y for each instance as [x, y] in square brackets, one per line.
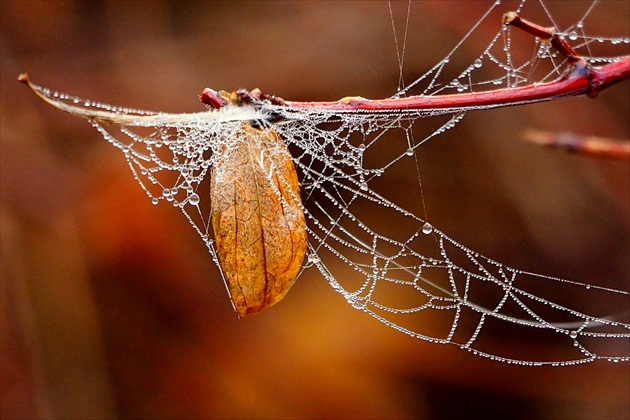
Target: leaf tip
[23, 77]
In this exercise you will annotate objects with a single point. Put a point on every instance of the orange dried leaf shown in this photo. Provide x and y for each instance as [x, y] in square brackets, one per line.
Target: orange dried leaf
[257, 217]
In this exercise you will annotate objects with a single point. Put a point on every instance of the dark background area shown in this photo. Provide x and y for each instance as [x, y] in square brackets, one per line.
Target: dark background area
[111, 307]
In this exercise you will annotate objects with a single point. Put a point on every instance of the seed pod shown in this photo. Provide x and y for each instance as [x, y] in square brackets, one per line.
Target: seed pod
[257, 217]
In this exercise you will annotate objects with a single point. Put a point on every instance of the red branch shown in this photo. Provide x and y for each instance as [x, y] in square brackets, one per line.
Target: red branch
[581, 81]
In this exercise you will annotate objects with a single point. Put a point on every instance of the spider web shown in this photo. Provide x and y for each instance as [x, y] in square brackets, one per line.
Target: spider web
[384, 258]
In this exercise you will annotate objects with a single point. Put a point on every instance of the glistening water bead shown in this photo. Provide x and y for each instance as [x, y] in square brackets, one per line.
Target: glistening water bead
[427, 228]
[193, 199]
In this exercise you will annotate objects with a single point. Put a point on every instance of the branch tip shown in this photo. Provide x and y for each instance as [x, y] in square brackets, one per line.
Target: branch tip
[508, 18]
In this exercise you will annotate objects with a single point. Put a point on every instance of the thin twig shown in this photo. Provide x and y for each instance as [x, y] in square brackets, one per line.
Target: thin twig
[588, 145]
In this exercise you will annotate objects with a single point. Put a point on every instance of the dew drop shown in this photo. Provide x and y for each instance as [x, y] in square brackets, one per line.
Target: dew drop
[193, 199]
[155, 201]
[573, 35]
[409, 151]
[478, 63]
[427, 228]
[313, 258]
[573, 334]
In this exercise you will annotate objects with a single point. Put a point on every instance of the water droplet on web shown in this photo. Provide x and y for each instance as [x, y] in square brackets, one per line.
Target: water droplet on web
[193, 199]
[573, 35]
[155, 201]
[410, 151]
[313, 259]
[427, 228]
[573, 334]
[478, 63]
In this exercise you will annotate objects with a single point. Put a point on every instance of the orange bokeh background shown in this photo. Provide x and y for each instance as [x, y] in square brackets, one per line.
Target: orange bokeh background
[112, 307]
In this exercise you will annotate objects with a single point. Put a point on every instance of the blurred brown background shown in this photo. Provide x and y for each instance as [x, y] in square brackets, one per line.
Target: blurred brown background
[111, 307]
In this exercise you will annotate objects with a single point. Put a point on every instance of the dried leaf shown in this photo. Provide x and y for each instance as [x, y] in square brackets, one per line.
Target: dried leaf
[257, 217]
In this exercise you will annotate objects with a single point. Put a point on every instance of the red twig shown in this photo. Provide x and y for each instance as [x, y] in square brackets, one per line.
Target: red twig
[577, 83]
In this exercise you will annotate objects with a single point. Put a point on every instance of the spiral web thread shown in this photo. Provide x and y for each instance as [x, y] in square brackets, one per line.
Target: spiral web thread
[382, 258]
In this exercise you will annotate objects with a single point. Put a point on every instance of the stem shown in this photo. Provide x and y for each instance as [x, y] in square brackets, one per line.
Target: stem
[547, 34]
[577, 83]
